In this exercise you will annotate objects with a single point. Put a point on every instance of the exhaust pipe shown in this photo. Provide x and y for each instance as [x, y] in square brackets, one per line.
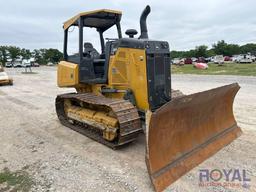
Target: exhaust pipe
[143, 24]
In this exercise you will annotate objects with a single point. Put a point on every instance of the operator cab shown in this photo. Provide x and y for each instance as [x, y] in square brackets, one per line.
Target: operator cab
[93, 66]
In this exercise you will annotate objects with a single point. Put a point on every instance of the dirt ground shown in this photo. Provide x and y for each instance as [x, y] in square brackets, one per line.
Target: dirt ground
[59, 159]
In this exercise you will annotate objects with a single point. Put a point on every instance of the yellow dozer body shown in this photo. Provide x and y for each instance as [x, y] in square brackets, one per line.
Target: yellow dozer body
[126, 89]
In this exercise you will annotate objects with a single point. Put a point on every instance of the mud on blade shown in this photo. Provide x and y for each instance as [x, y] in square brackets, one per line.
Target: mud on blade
[188, 130]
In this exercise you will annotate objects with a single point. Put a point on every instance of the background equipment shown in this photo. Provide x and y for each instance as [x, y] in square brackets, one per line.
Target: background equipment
[4, 78]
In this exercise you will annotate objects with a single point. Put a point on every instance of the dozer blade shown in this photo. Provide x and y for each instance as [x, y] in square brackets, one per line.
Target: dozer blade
[188, 130]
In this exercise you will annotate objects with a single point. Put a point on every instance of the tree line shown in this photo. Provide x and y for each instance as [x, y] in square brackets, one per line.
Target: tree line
[41, 56]
[44, 56]
[219, 48]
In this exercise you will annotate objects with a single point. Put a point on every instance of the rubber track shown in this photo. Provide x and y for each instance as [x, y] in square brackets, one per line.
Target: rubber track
[129, 120]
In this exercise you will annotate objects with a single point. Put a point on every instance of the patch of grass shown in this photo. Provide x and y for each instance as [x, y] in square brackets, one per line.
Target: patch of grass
[16, 181]
[214, 69]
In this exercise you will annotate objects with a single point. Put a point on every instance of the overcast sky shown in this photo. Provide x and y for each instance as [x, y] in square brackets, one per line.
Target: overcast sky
[183, 23]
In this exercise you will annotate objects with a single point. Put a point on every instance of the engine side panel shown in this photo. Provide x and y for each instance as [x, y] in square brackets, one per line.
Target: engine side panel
[127, 70]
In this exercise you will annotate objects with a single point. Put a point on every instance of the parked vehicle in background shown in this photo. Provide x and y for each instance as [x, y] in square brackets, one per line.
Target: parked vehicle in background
[175, 61]
[36, 65]
[178, 61]
[227, 58]
[182, 61]
[188, 61]
[26, 63]
[193, 59]
[245, 59]
[50, 64]
[235, 58]
[200, 60]
[253, 58]
[218, 59]
[208, 59]
[8, 64]
[17, 64]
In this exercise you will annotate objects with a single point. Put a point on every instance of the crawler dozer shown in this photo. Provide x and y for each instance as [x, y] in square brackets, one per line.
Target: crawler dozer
[126, 90]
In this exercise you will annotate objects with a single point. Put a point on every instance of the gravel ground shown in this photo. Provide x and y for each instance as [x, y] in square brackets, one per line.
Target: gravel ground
[59, 159]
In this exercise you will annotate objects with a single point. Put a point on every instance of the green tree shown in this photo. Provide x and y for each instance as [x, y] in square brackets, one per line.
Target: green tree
[220, 47]
[210, 53]
[248, 48]
[25, 53]
[177, 54]
[53, 55]
[201, 51]
[36, 54]
[14, 52]
[39, 55]
[43, 56]
[232, 49]
[190, 53]
[3, 54]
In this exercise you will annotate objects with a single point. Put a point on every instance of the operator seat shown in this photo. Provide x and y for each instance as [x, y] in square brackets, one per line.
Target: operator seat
[90, 51]
[98, 62]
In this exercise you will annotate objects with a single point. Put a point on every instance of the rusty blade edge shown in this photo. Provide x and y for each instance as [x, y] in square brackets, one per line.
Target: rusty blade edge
[186, 155]
[223, 139]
